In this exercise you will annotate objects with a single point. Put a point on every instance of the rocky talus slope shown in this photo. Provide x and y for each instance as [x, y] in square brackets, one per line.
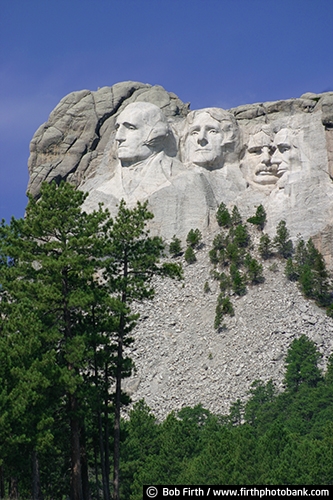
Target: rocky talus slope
[181, 360]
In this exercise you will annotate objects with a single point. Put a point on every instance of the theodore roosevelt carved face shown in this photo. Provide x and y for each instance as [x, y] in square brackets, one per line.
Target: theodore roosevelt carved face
[210, 133]
[141, 130]
[258, 159]
[269, 158]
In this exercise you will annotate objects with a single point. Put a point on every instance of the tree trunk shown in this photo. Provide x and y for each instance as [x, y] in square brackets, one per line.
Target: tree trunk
[76, 476]
[106, 427]
[116, 446]
[105, 479]
[84, 467]
[2, 483]
[96, 469]
[13, 488]
[36, 490]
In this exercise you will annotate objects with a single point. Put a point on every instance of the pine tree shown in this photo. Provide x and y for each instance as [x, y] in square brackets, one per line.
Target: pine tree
[241, 236]
[283, 244]
[238, 280]
[235, 216]
[175, 247]
[54, 257]
[291, 270]
[259, 218]
[265, 247]
[133, 262]
[194, 238]
[190, 255]
[223, 216]
[302, 364]
[254, 270]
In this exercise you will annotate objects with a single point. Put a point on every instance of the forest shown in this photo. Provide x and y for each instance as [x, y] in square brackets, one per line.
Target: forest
[68, 282]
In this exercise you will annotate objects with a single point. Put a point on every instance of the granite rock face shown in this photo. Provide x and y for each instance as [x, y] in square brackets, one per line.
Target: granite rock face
[139, 142]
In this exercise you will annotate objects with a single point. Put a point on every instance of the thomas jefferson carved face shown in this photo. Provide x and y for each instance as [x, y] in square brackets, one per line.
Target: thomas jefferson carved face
[203, 145]
[286, 155]
[140, 131]
[258, 159]
[212, 133]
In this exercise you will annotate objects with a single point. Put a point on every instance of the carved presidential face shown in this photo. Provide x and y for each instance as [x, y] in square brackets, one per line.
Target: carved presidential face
[258, 159]
[140, 128]
[286, 155]
[203, 144]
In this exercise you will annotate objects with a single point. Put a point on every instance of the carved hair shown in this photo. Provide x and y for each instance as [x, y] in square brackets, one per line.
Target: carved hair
[231, 133]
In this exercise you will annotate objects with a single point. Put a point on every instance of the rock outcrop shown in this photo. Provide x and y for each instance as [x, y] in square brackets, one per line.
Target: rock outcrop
[139, 142]
[279, 154]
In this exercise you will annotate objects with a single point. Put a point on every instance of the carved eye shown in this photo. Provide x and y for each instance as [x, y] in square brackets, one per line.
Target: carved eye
[194, 132]
[283, 148]
[129, 126]
[255, 150]
[213, 131]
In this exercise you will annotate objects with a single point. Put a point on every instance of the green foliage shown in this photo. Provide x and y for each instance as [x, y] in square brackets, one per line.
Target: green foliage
[206, 287]
[265, 247]
[175, 247]
[259, 218]
[190, 255]
[194, 238]
[68, 280]
[291, 270]
[273, 438]
[225, 282]
[234, 254]
[223, 307]
[309, 269]
[241, 236]
[214, 257]
[254, 270]
[283, 245]
[238, 280]
[223, 216]
[235, 216]
[301, 363]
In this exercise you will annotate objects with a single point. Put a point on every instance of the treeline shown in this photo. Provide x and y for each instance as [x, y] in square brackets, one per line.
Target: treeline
[272, 439]
[68, 281]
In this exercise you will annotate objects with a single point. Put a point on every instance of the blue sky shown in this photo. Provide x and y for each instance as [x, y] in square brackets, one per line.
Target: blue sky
[209, 52]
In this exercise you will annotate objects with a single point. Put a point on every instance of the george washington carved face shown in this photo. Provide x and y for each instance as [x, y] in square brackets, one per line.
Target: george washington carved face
[141, 130]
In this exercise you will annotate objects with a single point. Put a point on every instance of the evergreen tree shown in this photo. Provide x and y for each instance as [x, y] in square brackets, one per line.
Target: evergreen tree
[302, 364]
[194, 238]
[238, 281]
[235, 216]
[265, 247]
[190, 255]
[259, 218]
[241, 236]
[175, 247]
[133, 262]
[54, 257]
[254, 270]
[223, 216]
[283, 244]
[291, 270]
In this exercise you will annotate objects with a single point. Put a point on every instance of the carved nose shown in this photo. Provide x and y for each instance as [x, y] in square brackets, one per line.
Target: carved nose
[119, 135]
[265, 158]
[202, 141]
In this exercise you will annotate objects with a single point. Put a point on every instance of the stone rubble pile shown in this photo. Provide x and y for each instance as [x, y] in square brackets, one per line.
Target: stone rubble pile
[181, 360]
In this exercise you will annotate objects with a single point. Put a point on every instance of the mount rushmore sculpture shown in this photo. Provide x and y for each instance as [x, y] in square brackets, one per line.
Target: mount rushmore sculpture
[138, 142]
